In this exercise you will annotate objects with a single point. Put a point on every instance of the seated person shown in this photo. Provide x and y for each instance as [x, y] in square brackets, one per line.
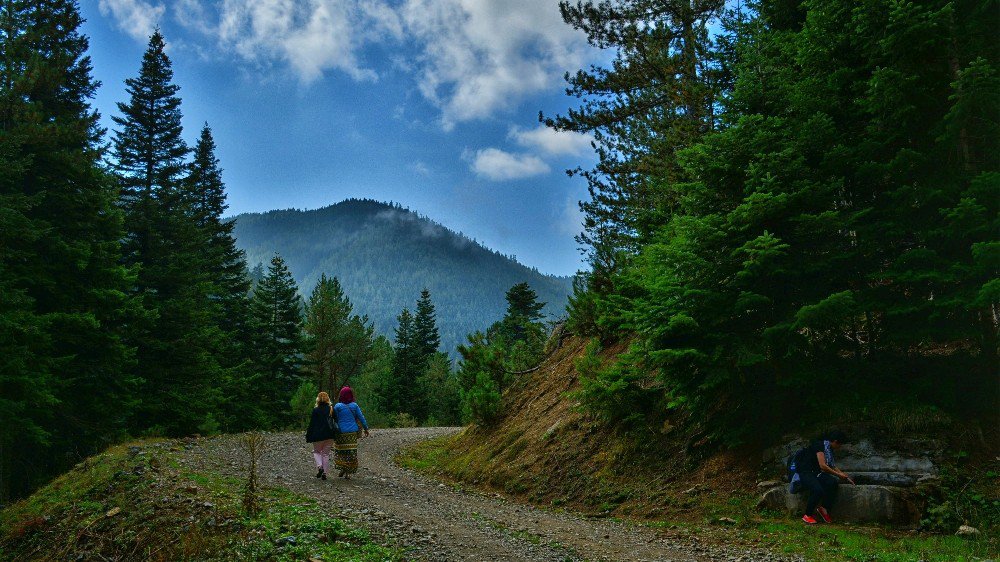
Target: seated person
[815, 471]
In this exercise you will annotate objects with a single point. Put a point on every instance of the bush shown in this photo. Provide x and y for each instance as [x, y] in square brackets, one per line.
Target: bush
[483, 399]
[303, 401]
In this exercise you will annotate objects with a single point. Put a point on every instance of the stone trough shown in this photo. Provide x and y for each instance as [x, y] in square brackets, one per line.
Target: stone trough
[891, 482]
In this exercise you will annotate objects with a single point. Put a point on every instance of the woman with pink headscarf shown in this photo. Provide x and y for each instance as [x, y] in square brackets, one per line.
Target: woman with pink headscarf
[351, 422]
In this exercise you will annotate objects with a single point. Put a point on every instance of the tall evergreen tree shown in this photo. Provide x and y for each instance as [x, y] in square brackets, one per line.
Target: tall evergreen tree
[179, 352]
[407, 365]
[425, 325]
[276, 312]
[658, 97]
[227, 267]
[338, 344]
[224, 269]
[62, 289]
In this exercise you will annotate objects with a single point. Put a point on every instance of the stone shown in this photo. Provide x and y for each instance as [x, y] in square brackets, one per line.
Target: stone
[113, 511]
[767, 484]
[289, 540]
[858, 504]
[967, 531]
[725, 521]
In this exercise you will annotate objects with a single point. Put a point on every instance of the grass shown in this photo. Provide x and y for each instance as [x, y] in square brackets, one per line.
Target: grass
[770, 531]
[139, 502]
[861, 543]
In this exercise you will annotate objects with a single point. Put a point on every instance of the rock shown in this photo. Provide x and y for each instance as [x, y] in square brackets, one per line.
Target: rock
[967, 531]
[768, 484]
[289, 540]
[116, 510]
[725, 521]
[859, 504]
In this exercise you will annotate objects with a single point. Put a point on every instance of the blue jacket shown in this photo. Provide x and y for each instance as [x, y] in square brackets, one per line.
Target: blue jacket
[346, 414]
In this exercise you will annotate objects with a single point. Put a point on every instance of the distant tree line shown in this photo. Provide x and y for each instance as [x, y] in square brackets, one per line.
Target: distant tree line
[794, 213]
[384, 254]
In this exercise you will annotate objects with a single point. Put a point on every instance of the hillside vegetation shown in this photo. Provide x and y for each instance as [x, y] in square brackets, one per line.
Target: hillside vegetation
[545, 449]
[140, 501]
[384, 255]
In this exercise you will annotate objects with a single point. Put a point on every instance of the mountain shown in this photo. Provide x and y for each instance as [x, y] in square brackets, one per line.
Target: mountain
[384, 255]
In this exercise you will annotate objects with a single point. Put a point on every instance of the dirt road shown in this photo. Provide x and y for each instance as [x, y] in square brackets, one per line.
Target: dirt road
[437, 522]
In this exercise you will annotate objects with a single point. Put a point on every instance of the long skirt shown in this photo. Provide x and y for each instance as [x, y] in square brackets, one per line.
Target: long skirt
[346, 452]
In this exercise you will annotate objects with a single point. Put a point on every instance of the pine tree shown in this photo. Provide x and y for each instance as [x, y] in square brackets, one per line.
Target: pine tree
[522, 304]
[657, 98]
[225, 269]
[428, 340]
[338, 344]
[179, 352]
[521, 332]
[62, 290]
[276, 312]
[408, 362]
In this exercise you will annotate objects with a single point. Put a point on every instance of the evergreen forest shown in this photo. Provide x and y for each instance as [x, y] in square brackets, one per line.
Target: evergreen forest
[794, 216]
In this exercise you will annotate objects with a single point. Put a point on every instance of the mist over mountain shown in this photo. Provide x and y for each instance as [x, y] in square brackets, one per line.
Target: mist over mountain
[385, 254]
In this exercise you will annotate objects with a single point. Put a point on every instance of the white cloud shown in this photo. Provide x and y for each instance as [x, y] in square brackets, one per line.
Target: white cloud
[311, 36]
[421, 169]
[550, 141]
[497, 165]
[571, 221]
[469, 58]
[135, 17]
[478, 56]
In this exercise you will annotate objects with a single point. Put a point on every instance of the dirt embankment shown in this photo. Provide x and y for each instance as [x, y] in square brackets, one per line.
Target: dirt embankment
[547, 451]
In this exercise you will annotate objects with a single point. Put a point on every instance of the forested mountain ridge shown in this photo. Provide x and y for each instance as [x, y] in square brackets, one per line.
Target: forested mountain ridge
[384, 255]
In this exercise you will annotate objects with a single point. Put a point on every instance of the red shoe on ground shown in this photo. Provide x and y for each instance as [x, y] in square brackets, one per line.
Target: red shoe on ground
[808, 520]
[822, 513]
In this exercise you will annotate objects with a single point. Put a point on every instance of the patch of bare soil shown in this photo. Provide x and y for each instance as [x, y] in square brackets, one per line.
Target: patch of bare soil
[440, 522]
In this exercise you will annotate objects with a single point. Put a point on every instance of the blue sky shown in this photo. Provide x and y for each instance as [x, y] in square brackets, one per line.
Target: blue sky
[429, 103]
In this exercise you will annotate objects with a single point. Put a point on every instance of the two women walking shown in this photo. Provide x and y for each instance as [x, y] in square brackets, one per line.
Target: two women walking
[338, 425]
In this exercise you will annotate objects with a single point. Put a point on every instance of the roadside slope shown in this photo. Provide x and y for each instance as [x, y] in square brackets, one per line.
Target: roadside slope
[544, 450]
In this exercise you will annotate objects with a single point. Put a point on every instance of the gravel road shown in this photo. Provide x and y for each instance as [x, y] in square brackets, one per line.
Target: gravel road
[437, 522]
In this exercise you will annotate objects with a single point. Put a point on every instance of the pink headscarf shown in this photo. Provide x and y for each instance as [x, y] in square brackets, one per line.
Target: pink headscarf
[346, 395]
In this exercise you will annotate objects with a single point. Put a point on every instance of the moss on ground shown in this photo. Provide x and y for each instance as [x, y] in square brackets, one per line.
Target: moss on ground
[138, 501]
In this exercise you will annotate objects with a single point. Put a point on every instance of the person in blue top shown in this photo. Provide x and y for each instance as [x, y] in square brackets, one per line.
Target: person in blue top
[351, 422]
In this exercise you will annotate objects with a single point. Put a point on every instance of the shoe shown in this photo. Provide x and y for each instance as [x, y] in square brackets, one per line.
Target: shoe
[341, 475]
[319, 473]
[324, 476]
[808, 520]
[824, 515]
